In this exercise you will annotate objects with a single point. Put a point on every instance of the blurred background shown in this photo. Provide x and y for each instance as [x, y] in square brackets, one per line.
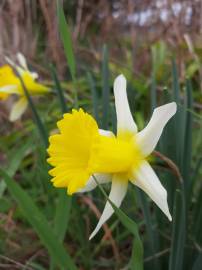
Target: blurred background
[157, 45]
[130, 28]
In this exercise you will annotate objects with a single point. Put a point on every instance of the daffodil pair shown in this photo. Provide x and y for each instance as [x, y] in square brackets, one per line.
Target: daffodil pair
[81, 150]
[10, 84]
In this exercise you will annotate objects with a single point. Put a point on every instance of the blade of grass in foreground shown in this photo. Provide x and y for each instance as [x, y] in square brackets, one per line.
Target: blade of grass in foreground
[37, 119]
[151, 233]
[198, 262]
[188, 139]
[40, 224]
[59, 90]
[136, 261]
[178, 234]
[66, 39]
[62, 214]
[14, 163]
[68, 48]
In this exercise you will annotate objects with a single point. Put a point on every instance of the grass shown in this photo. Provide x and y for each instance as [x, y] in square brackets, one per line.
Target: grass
[43, 228]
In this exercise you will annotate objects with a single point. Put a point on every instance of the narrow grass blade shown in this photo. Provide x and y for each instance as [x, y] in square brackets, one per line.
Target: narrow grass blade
[188, 138]
[197, 217]
[40, 224]
[59, 90]
[66, 39]
[178, 234]
[105, 87]
[179, 117]
[136, 261]
[62, 214]
[94, 96]
[196, 171]
[152, 235]
[14, 163]
[39, 124]
[198, 262]
[176, 86]
[68, 47]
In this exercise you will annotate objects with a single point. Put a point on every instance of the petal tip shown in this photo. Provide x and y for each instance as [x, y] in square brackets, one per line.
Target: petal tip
[120, 80]
[173, 106]
[91, 236]
[169, 217]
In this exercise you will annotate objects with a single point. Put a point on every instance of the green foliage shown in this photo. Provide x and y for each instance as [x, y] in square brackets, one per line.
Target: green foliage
[39, 223]
[63, 223]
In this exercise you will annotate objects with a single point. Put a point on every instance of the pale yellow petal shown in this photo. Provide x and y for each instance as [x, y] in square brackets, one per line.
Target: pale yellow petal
[18, 109]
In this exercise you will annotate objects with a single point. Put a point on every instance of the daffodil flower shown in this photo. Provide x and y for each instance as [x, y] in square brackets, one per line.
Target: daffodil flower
[10, 84]
[82, 151]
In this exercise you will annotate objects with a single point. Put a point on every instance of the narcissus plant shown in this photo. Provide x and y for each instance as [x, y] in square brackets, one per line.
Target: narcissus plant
[81, 151]
[10, 84]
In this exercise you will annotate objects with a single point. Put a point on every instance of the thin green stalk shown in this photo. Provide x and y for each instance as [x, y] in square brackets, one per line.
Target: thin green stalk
[59, 90]
[38, 122]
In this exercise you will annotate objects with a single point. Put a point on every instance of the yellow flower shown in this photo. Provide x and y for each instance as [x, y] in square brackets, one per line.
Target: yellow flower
[10, 84]
[81, 150]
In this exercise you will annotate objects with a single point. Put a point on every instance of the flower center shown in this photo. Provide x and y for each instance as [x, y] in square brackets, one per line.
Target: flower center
[114, 155]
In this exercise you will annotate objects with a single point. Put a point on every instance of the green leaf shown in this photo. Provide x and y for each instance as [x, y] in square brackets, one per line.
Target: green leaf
[178, 233]
[179, 117]
[39, 224]
[187, 153]
[66, 40]
[14, 162]
[198, 262]
[62, 214]
[68, 48]
[37, 119]
[192, 69]
[59, 90]
[105, 87]
[151, 233]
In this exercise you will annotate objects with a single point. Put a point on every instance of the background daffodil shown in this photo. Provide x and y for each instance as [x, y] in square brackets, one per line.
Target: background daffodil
[82, 150]
[10, 84]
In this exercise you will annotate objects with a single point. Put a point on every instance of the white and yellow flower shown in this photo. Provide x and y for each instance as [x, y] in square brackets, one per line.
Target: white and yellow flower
[10, 84]
[82, 150]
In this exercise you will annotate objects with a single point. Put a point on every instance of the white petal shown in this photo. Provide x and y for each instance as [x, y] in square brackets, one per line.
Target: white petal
[18, 109]
[106, 133]
[13, 64]
[146, 179]
[147, 139]
[34, 75]
[125, 120]
[9, 89]
[22, 60]
[117, 194]
[91, 184]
